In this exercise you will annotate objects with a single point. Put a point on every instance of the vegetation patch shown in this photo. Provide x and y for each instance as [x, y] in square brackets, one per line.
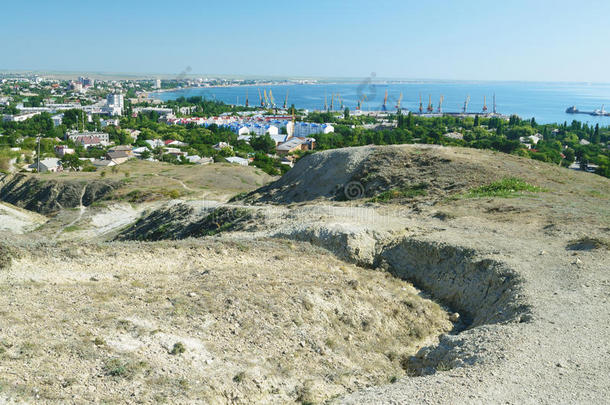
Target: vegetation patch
[505, 188]
[121, 368]
[7, 254]
[178, 348]
[588, 243]
[401, 193]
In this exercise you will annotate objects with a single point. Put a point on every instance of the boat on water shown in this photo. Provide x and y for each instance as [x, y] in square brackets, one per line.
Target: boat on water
[597, 113]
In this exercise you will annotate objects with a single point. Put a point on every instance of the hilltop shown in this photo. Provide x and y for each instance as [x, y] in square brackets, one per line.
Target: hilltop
[378, 274]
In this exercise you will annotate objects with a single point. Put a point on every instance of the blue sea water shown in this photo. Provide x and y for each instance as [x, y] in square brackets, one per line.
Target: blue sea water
[546, 102]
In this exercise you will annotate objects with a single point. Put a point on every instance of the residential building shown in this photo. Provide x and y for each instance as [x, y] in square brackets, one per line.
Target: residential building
[238, 160]
[155, 143]
[119, 157]
[61, 150]
[295, 144]
[57, 119]
[101, 136]
[47, 165]
[114, 103]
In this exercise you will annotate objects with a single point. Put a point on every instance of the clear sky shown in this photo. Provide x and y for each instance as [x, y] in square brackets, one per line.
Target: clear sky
[543, 40]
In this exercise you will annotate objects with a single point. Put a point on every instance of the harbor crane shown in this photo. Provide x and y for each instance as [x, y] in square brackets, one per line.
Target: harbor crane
[246, 97]
[325, 102]
[421, 106]
[466, 104]
[398, 102]
[440, 104]
[384, 107]
[430, 108]
[484, 104]
[260, 98]
[495, 103]
[360, 102]
[332, 101]
[340, 100]
[286, 100]
[271, 100]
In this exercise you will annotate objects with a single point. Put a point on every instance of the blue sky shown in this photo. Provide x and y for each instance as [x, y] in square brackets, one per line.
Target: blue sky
[540, 40]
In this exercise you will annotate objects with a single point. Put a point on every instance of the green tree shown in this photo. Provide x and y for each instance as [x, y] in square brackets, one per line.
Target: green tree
[596, 137]
[263, 143]
[71, 161]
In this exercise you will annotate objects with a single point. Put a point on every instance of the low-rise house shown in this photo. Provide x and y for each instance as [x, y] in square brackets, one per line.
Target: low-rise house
[171, 142]
[454, 135]
[103, 136]
[61, 150]
[19, 117]
[88, 141]
[295, 144]
[118, 157]
[222, 145]
[280, 138]
[155, 143]
[109, 122]
[138, 151]
[101, 163]
[174, 151]
[47, 165]
[238, 160]
[128, 149]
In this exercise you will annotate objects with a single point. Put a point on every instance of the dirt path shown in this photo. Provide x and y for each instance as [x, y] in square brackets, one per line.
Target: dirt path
[81, 211]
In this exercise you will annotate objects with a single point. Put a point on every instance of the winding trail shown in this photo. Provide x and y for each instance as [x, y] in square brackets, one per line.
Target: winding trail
[81, 212]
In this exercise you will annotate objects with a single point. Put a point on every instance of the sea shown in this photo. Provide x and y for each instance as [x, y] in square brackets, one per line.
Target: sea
[546, 102]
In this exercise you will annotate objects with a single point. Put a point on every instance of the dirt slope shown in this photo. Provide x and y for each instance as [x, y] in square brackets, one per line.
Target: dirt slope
[524, 277]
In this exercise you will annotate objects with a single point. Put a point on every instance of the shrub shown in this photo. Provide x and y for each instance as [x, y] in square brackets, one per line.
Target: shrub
[507, 187]
[403, 192]
[178, 348]
[239, 377]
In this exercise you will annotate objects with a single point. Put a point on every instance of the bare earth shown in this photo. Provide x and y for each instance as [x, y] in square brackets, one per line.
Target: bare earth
[305, 300]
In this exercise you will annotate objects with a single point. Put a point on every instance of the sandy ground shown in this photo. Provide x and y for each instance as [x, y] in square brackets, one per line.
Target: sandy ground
[17, 220]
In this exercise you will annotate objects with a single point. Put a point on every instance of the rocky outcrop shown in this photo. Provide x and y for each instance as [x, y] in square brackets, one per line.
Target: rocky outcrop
[46, 196]
[180, 221]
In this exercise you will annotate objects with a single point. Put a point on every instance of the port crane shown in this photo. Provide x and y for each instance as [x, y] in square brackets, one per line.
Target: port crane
[286, 100]
[260, 98]
[484, 104]
[384, 107]
[340, 100]
[421, 106]
[271, 100]
[360, 102]
[332, 101]
[440, 104]
[466, 104]
[246, 97]
[398, 102]
[495, 103]
[430, 107]
[325, 102]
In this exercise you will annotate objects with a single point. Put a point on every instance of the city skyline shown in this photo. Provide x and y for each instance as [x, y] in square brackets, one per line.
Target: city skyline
[546, 41]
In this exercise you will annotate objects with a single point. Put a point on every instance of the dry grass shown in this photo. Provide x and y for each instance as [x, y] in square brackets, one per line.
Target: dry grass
[142, 180]
[204, 319]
